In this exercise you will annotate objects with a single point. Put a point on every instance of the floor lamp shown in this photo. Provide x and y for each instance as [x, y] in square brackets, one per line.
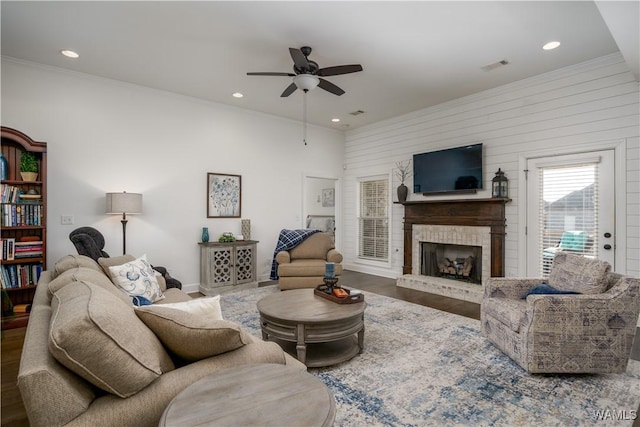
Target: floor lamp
[124, 203]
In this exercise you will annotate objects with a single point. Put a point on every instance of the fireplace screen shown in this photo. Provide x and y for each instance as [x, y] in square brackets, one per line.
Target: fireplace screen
[458, 262]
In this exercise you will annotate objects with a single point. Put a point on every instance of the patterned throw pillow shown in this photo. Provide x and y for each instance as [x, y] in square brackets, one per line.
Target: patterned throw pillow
[137, 278]
[578, 273]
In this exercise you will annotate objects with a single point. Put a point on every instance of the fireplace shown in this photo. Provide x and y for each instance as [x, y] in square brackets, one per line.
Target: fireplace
[457, 230]
[457, 262]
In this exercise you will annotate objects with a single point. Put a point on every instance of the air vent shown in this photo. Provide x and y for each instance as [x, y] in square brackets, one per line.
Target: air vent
[495, 65]
[357, 112]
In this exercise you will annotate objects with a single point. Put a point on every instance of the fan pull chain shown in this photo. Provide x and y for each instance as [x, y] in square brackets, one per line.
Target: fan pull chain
[304, 117]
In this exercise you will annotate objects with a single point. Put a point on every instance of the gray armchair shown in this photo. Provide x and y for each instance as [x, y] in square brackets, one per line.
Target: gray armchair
[590, 332]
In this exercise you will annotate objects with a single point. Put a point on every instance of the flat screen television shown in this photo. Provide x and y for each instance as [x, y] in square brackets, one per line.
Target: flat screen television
[453, 170]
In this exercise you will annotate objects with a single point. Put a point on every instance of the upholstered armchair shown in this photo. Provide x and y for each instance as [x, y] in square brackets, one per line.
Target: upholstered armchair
[589, 332]
[90, 242]
[304, 265]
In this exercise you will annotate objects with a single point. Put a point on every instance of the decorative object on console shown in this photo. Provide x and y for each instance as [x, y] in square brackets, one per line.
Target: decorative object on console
[28, 167]
[224, 195]
[246, 228]
[500, 185]
[124, 203]
[403, 172]
[205, 234]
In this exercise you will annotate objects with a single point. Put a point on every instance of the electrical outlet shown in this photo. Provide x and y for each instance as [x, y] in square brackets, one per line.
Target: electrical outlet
[66, 219]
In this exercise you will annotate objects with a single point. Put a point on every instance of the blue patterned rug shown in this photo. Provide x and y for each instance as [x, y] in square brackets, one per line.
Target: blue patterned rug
[423, 367]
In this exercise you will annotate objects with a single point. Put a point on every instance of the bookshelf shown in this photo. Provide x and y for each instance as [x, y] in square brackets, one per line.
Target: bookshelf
[23, 216]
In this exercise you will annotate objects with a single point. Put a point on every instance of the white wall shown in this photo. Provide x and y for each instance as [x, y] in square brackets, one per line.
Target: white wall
[313, 202]
[564, 111]
[106, 136]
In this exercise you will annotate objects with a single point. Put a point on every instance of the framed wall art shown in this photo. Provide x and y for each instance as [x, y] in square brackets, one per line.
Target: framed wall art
[328, 197]
[224, 195]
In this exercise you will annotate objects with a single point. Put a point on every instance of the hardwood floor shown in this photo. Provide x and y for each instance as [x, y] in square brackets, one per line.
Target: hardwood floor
[13, 413]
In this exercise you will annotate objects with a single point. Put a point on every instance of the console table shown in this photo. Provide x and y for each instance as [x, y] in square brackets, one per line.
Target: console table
[227, 266]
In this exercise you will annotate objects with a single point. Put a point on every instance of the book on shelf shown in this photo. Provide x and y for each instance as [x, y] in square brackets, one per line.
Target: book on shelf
[20, 275]
[8, 248]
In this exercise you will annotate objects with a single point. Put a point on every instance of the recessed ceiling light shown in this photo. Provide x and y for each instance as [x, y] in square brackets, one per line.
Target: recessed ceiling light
[551, 45]
[69, 53]
[237, 95]
[335, 120]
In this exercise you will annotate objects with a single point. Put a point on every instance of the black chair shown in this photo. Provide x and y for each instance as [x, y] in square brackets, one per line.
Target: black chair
[90, 242]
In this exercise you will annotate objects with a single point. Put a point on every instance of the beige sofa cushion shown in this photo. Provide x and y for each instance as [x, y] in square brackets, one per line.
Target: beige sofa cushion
[191, 336]
[306, 268]
[68, 262]
[99, 337]
[105, 263]
[570, 272]
[313, 247]
[84, 274]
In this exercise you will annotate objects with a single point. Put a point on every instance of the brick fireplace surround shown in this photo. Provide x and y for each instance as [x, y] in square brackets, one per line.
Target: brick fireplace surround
[478, 222]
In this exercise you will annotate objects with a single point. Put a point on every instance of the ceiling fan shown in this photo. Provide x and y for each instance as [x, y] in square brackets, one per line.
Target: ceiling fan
[308, 74]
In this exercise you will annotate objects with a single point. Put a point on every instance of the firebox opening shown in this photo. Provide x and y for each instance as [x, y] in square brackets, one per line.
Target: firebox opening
[458, 262]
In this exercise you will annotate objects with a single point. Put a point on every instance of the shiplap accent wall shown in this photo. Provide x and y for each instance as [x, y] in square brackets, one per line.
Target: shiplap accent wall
[568, 110]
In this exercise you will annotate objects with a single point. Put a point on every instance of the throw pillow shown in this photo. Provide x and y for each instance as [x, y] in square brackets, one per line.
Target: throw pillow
[137, 278]
[208, 306]
[189, 336]
[578, 273]
[544, 289]
[82, 274]
[99, 338]
[105, 263]
[73, 261]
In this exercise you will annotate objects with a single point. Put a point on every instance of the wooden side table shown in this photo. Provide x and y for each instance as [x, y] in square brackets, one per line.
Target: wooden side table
[253, 395]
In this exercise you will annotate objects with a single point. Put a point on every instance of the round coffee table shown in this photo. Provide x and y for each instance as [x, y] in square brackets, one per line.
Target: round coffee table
[253, 395]
[317, 331]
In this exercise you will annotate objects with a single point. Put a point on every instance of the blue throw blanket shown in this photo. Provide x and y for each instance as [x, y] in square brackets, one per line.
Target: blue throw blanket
[287, 240]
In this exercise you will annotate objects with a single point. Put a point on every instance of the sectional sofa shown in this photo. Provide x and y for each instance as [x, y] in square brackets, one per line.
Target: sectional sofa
[91, 359]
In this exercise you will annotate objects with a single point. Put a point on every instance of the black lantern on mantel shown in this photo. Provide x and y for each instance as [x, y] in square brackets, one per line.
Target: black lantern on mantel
[500, 185]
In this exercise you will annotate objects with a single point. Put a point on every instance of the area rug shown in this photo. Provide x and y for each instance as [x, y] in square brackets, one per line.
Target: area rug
[424, 367]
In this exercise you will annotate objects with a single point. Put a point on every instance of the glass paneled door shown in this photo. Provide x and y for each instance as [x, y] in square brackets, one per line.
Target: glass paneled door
[570, 207]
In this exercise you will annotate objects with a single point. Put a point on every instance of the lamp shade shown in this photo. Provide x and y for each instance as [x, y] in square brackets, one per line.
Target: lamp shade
[306, 82]
[124, 203]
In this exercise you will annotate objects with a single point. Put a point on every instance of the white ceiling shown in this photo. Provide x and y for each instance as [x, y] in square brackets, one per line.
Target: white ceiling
[415, 54]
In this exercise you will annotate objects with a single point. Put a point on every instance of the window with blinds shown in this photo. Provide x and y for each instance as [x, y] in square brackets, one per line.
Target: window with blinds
[568, 211]
[374, 220]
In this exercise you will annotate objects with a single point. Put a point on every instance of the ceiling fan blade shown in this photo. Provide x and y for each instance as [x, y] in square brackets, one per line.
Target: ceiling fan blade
[339, 69]
[330, 87]
[271, 74]
[299, 59]
[289, 90]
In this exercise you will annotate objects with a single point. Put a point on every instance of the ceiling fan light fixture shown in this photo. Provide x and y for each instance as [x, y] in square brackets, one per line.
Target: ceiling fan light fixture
[306, 82]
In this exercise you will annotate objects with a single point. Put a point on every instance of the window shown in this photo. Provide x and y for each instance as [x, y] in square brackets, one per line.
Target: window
[374, 220]
[568, 205]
